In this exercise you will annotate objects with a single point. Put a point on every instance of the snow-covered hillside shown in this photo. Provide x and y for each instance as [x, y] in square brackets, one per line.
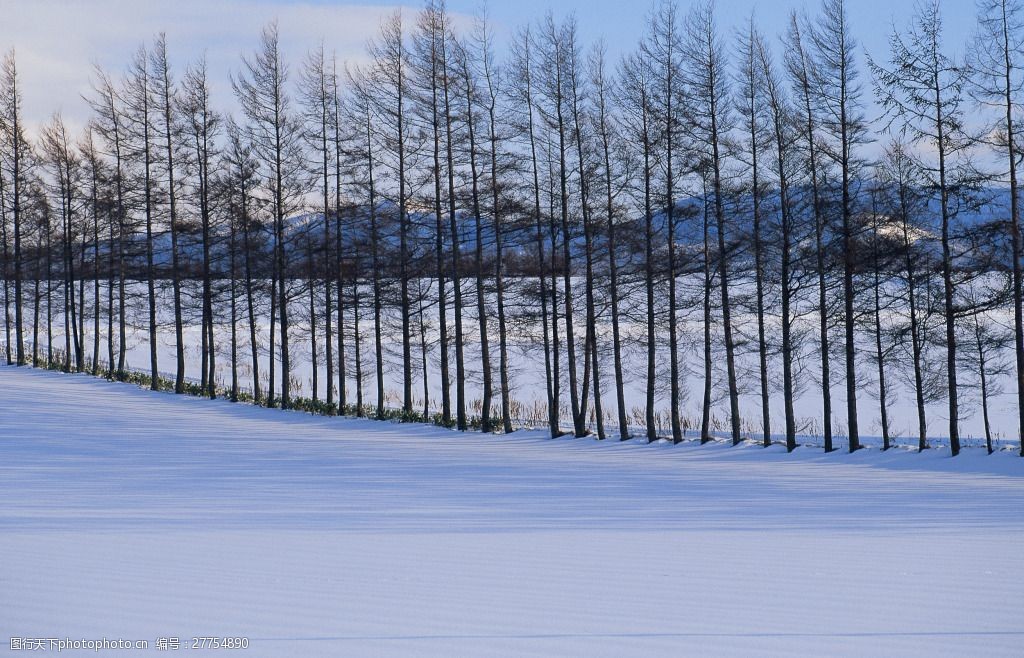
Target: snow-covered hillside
[137, 515]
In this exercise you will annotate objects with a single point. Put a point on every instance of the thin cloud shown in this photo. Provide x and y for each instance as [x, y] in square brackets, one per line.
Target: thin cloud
[58, 42]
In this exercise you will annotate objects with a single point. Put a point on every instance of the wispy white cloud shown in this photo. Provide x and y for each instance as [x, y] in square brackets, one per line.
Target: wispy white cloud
[58, 41]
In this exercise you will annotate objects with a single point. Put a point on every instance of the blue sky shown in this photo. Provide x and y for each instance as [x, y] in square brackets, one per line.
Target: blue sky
[58, 40]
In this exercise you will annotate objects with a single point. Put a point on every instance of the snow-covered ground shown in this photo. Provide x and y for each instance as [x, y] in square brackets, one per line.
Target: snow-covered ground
[527, 382]
[133, 515]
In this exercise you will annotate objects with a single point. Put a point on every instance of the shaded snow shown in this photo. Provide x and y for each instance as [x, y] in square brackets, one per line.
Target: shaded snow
[140, 515]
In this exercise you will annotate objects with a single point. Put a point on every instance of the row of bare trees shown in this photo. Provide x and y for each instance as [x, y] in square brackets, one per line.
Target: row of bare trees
[703, 219]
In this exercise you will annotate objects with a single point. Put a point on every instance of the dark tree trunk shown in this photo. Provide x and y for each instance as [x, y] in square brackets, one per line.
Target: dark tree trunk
[481, 307]
[879, 353]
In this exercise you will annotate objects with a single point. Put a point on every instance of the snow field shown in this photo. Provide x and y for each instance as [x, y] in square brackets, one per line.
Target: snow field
[140, 515]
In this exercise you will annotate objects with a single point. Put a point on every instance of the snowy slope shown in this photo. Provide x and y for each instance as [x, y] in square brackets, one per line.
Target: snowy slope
[134, 515]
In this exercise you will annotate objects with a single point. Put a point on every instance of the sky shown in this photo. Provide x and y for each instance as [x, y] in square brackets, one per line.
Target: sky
[58, 42]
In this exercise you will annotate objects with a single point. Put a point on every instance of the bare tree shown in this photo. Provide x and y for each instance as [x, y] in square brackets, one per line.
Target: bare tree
[521, 91]
[96, 180]
[751, 82]
[782, 135]
[712, 120]
[555, 91]
[900, 179]
[664, 49]
[636, 90]
[879, 269]
[14, 151]
[164, 96]
[843, 120]
[203, 128]
[923, 93]
[139, 115]
[6, 253]
[242, 178]
[997, 83]
[275, 136]
[339, 257]
[109, 124]
[362, 111]
[64, 168]
[802, 73]
[468, 61]
[318, 109]
[492, 80]
[606, 130]
[428, 81]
